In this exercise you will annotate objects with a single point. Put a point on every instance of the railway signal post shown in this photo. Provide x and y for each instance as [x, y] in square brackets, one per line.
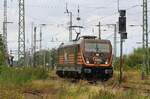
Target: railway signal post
[123, 36]
[34, 48]
[70, 27]
[99, 30]
[145, 68]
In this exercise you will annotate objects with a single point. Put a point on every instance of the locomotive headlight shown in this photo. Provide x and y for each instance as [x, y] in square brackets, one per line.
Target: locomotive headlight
[87, 61]
[97, 54]
[106, 62]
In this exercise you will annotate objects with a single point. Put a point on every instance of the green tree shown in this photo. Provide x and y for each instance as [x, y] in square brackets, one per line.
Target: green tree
[46, 57]
[54, 57]
[133, 60]
[2, 57]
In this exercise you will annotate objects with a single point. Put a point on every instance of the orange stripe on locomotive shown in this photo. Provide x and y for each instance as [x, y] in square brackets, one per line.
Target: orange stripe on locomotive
[71, 59]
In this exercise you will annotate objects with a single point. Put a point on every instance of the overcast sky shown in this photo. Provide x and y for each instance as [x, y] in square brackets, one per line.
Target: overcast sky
[51, 12]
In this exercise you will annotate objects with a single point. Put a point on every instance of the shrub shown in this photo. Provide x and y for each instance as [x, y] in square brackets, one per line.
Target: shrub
[20, 76]
[131, 61]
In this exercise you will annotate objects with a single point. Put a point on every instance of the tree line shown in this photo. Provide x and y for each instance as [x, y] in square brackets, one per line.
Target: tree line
[2, 55]
[132, 61]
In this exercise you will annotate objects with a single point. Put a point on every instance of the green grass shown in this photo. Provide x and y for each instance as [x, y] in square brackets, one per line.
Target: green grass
[10, 94]
[129, 94]
[14, 82]
[21, 76]
[82, 90]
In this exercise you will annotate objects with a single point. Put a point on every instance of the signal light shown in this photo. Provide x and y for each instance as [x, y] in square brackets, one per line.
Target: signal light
[123, 35]
[122, 24]
[122, 13]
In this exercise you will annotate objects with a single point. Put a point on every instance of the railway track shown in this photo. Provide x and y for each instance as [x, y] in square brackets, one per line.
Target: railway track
[143, 88]
[137, 87]
[125, 86]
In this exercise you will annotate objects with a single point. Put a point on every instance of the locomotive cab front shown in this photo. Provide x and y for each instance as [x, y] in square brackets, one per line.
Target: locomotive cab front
[97, 57]
[97, 52]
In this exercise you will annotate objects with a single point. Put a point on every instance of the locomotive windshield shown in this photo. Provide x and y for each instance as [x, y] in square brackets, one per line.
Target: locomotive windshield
[97, 53]
[97, 47]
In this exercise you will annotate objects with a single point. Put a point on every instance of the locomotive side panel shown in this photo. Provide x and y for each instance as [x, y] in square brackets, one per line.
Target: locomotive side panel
[70, 55]
[70, 60]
